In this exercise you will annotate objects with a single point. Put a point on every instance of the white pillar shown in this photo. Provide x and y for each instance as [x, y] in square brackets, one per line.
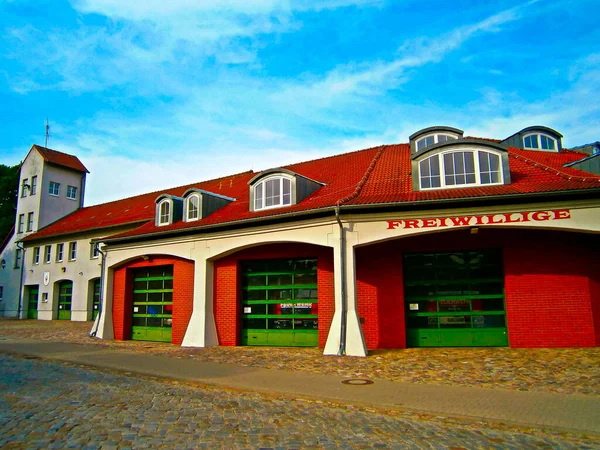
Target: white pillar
[202, 330]
[105, 329]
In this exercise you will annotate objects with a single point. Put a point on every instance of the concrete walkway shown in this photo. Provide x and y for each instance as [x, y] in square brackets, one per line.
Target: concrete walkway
[572, 412]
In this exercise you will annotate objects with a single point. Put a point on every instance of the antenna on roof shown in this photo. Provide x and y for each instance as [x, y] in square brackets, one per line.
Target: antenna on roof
[47, 132]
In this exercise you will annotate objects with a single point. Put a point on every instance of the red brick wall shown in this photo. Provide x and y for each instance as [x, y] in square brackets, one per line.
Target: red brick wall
[551, 286]
[380, 293]
[183, 295]
[227, 293]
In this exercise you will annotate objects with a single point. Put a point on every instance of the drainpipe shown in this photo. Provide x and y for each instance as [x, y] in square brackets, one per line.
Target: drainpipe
[20, 247]
[342, 349]
[100, 299]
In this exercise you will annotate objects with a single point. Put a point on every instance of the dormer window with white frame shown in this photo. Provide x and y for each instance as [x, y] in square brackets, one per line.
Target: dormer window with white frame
[539, 141]
[164, 212]
[460, 163]
[273, 192]
[192, 207]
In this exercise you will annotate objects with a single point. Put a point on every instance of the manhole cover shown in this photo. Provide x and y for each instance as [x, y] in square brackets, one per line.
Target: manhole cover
[357, 382]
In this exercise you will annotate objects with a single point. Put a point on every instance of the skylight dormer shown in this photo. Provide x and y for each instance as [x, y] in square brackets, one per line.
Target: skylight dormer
[536, 137]
[431, 136]
[199, 204]
[459, 164]
[277, 188]
[168, 210]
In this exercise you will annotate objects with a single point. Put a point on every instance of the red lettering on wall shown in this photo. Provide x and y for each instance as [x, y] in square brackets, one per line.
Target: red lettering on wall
[412, 223]
[539, 216]
[429, 223]
[561, 214]
[509, 218]
[458, 221]
[492, 221]
[393, 224]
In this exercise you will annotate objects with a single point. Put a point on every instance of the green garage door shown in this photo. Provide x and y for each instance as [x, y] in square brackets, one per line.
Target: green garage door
[152, 304]
[455, 299]
[65, 297]
[32, 303]
[279, 303]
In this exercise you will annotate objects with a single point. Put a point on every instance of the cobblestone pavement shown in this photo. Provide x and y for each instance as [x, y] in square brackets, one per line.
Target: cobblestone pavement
[552, 370]
[47, 405]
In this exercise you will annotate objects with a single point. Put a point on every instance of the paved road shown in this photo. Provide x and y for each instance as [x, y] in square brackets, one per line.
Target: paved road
[56, 405]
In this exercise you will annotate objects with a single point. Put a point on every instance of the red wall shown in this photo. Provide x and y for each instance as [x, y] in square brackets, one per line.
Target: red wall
[183, 295]
[227, 293]
[551, 285]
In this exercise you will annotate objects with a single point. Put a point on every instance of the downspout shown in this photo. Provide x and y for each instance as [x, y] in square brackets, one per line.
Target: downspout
[342, 349]
[101, 296]
[20, 247]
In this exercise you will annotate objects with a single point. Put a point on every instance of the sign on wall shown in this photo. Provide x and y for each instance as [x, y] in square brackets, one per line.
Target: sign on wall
[46, 278]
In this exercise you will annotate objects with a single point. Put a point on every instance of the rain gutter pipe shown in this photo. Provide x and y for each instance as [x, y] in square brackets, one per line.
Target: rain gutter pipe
[20, 247]
[101, 296]
[344, 312]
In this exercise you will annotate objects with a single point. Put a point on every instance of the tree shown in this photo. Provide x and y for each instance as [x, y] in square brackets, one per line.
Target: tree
[9, 191]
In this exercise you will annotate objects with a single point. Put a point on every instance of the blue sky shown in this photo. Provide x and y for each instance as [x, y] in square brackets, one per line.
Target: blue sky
[152, 94]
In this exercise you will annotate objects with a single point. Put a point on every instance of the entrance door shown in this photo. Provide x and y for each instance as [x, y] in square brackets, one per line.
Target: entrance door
[96, 299]
[280, 303]
[32, 302]
[455, 299]
[152, 304]
[65, 296]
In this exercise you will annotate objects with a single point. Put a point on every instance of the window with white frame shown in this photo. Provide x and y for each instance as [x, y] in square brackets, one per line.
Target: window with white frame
[273, 192]
[460, 168]
[192, 207]
[539, 141]
[18, 258]
[164, 212]
[33, 184]
[59, 252]
[431, 139]
[30, 221]
[94, 250]
[36, 255]
[54, 188]
[21, 223]
[24, 187]
[47, 254]
[72, 251]
[72, 192]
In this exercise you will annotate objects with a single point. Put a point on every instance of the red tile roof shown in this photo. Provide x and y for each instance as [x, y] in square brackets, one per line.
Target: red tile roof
[60, 159]
[373, 176]
[7, 239]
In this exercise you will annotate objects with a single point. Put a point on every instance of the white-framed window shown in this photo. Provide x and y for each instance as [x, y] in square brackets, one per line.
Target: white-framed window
[94, 250]
[59, 252]
[460, 168]
[72, 192]
[21, 223]
[273, 192]
[539, 141]
[33, 184]
[72, 251]
[192, 207]
[36, 255]
[24, 187]
[54, 188]
[18, 258]
[431, 139]
[164, 212]
[30, 221]
[47, 254]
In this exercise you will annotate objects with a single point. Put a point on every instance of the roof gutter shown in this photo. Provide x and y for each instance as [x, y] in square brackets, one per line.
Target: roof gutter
[344, 311]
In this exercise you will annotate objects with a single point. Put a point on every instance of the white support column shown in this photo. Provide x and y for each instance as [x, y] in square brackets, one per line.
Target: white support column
[202, 330]
[105, 325]
[355, 343]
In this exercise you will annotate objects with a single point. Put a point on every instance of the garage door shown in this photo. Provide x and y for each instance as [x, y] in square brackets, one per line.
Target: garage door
[152, 304]
[280, 303]
[455, 299]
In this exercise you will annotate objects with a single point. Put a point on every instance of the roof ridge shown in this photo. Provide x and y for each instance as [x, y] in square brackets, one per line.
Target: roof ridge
[338, 155]
[552, 170]
[365, 177]
[7, 238]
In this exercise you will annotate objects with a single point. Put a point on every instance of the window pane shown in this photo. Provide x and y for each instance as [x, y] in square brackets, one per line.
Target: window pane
[258, 196]
[449, 164]
[273, 192]
[485, 178]
[531, 141]
[469, 162]
[287, 192]
[425, 168]
[193, 203]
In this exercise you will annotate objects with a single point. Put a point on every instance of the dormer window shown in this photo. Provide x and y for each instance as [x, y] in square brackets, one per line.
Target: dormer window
[192, 207]
[273, 192]
[432, 139]
[275, 188]
[460, 163]
[538, 141]
[164, 212]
